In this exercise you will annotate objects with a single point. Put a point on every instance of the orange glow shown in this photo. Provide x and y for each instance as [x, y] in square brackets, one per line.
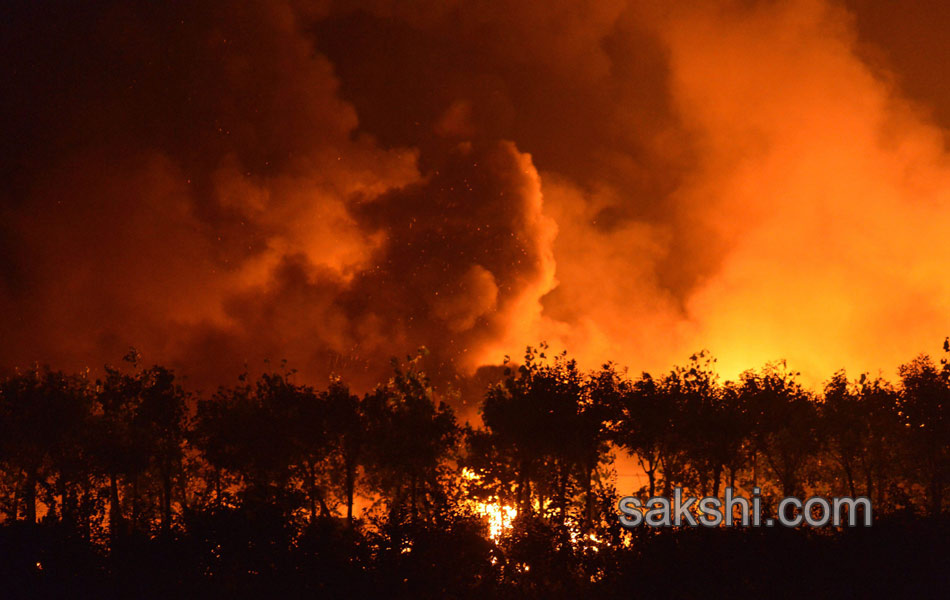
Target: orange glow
[820, 192]
[499, 516]
[627, 180]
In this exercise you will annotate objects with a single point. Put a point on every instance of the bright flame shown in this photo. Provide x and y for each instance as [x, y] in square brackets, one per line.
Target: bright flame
[590, 540]
[500, 516]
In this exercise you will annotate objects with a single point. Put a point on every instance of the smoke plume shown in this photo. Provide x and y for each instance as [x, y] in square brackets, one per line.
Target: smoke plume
[334, 183]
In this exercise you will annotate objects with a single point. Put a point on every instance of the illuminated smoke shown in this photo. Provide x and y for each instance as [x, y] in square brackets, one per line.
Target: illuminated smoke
[337, 183]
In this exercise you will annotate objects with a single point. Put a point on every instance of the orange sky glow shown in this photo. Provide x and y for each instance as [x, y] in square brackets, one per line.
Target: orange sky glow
[335, 183]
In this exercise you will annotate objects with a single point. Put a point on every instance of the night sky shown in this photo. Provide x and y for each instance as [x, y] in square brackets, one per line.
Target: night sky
[334, 183]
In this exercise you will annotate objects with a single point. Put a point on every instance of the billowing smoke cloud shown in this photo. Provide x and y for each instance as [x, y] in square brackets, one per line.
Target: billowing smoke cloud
[458, 259]
[190, 182]
[820, 194]
[831, 190]
[737, 176]
[337, 183]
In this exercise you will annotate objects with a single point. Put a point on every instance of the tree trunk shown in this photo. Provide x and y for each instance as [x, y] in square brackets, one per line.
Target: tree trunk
[134, 517]
[588, 497]
[412, 499]
[847, 471]
[562, 493]
[115, 511]
[65, 510]
[350, 484]
[166, 500]
[527, 497]
[29, 497]
[755, 469]
[717, 475]
[316, 495]
[217, 487]
[15, 511]
[524, 490]
[312, 492]
[183, 492]
[668, 472]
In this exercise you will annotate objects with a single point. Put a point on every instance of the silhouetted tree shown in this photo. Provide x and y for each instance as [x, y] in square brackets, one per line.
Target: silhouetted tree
[596, 415]
[411, 437]
[730, 432]
[43, 415]
[138, 434]
[347, 430]
[862, 428]
[702, 424]
[161, 420]
[784, 421]
[544, 424]
[924, 404]
[273, 435]
[119, 456]
[645, 430]
[243, 499]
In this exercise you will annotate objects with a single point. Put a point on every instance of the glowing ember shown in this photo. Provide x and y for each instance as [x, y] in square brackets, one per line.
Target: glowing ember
[499, 516]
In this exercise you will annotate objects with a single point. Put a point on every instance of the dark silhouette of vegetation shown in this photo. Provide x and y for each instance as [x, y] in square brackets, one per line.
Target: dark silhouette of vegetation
[130, 486]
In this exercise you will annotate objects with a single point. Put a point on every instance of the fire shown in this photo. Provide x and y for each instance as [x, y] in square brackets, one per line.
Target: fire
[500, 516]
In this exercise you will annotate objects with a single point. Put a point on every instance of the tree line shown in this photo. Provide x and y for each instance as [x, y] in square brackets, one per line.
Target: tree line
[375, 487]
